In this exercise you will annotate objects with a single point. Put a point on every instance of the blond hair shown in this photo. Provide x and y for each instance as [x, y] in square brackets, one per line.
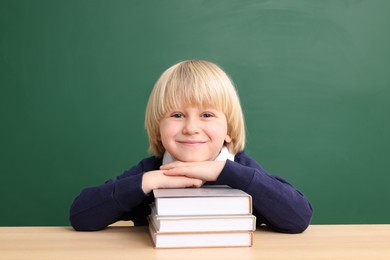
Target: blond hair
[194, 83]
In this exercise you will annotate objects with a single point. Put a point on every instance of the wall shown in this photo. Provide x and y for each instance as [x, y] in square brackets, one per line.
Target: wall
[313, 77]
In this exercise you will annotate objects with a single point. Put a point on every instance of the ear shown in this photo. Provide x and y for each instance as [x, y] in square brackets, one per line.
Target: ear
[228, 139]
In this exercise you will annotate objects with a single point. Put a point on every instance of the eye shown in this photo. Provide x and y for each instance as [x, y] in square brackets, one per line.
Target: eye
[207, 115]
[177, 115]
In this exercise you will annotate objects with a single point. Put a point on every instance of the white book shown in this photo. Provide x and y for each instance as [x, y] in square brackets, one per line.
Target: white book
[208, 200]
[202, 223]
[200, 239]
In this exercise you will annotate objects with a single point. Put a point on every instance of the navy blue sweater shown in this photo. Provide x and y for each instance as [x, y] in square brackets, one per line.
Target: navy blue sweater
[276, 203]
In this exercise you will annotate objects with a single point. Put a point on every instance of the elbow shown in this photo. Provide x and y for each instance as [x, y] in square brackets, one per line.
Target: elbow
[293, 222]
[79, 224]
[77, 227]
[84, 220]
[299, 222]
[298, 227]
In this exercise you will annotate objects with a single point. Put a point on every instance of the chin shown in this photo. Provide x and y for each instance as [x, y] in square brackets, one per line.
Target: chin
[191, 159]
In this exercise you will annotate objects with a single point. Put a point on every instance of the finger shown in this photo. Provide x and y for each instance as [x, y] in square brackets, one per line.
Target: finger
[184, 182]
[191, 182]
[180, 171]
[171, 165]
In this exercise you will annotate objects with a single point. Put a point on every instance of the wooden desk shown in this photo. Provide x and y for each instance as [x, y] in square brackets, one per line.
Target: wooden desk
[119, 242]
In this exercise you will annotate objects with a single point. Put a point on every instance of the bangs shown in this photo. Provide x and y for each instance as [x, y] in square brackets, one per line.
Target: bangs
[190, 95]
[195, 86]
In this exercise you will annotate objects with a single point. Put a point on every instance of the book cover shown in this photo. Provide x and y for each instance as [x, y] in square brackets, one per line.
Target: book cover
[200, 239]
[202, 223]
[208, 200]
[205, 191]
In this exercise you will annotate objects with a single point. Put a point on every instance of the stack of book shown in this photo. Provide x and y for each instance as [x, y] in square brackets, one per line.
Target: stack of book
[211, 216]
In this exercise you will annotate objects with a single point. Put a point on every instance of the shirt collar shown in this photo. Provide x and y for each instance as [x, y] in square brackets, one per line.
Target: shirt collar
[223, 155]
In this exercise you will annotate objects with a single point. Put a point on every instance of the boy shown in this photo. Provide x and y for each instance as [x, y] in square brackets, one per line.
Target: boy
[196, 133]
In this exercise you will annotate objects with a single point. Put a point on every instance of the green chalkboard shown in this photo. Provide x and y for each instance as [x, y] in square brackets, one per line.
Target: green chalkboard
[313, 76]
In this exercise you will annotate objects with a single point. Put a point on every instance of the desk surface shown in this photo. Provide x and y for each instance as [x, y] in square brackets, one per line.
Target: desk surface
[120, 242]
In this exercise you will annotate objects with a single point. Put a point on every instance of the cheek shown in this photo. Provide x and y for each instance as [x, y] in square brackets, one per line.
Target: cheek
[218, 131]
[167, 131]
[163, 131]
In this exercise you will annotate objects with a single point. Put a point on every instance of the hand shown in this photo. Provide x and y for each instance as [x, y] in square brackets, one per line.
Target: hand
[205, 171]
[157, 179]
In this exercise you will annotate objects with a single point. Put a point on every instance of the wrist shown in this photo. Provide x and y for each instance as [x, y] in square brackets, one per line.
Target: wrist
[147, 184]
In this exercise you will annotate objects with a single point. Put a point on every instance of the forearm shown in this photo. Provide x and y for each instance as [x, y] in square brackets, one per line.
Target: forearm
[96, 208]
[283, 207]
[277, 203]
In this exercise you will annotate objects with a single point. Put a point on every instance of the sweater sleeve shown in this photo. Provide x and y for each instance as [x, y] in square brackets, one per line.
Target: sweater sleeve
[276, 203]
[97, 207]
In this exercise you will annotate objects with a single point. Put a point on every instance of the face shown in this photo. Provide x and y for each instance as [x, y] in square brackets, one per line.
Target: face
[192, 134]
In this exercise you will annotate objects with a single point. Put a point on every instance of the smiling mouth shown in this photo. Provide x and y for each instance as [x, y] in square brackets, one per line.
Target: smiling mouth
[191, 142]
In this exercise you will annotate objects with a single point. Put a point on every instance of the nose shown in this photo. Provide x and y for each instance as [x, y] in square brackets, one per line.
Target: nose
[191, 126]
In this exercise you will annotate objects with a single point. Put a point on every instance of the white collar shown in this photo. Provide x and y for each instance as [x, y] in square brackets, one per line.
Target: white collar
[223, 155]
